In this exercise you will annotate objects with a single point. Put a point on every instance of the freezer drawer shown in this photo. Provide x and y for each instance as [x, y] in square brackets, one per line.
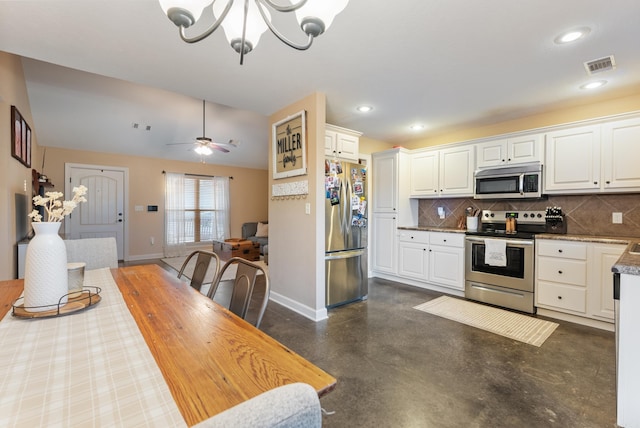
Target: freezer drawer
[345, 276]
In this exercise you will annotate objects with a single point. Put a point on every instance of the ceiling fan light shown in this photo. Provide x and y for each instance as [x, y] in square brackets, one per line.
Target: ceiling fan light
[319, 10]
[183, 13]
[203, 150]
[233, 24]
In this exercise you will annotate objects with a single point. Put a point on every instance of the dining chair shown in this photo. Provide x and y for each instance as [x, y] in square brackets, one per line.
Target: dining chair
[199, 273]
[97, 253]
[243, 287]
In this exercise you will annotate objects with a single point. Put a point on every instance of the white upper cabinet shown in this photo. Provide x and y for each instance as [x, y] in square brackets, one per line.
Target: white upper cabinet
[510, 151]
[385, 182]
[621, 155]
[446, 172]
[597, 158]
[456, 171]
[572, 160]
[425, 173]
[341, 143]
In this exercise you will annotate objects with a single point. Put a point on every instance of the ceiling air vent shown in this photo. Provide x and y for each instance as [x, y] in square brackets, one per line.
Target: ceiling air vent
[599, 65]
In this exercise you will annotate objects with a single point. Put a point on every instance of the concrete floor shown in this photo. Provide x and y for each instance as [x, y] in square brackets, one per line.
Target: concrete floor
[400, 367]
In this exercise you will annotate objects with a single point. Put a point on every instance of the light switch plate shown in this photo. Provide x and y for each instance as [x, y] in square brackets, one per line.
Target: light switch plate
[307, 208]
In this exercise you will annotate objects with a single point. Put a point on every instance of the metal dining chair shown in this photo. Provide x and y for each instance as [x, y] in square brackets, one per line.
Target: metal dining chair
[243, 288]
[202, 265]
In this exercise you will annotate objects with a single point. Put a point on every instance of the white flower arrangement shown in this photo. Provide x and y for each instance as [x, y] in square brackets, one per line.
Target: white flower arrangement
[55, 208]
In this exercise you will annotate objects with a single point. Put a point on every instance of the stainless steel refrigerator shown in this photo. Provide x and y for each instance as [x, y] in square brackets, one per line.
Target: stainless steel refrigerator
[346, 232]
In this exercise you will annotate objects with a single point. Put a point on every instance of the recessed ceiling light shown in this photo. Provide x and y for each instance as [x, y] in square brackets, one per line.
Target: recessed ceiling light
[416, 127]
[572, 36]
[364, 109]
[594, 85]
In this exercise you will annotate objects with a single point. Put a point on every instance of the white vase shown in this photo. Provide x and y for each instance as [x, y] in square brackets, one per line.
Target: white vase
[45, 276]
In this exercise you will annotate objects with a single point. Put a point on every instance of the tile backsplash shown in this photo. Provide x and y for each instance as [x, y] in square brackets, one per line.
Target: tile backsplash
[584, 214]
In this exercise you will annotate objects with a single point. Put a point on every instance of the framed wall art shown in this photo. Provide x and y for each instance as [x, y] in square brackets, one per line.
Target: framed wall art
[20, 138]
[289, 146]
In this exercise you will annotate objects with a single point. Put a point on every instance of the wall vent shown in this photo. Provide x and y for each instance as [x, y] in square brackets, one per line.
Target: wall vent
[599, 65]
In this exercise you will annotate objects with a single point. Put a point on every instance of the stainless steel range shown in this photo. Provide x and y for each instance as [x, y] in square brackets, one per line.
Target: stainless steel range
[500, 258]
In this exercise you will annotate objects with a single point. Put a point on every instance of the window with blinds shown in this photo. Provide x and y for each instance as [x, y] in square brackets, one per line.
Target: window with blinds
[196, 209]
[204, 210]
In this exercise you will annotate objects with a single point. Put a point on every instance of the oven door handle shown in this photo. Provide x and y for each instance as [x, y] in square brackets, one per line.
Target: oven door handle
[510, 241]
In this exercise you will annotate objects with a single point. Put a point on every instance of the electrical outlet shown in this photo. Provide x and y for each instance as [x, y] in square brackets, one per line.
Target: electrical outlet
[617, 218]
[441, 212]
[152, 240]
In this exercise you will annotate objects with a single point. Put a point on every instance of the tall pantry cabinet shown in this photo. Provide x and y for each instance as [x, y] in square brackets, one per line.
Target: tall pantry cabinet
[390, 207]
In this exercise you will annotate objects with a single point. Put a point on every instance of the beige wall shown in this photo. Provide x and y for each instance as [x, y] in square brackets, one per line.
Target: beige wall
[13, 174]
[296, 239]
[369, 145]
[248, 192]
[594, 108]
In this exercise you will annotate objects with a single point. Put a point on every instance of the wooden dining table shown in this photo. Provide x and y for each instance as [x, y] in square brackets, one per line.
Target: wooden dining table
[210, 359]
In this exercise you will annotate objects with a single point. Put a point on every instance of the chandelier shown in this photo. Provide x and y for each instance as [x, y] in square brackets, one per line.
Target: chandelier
[244, 22]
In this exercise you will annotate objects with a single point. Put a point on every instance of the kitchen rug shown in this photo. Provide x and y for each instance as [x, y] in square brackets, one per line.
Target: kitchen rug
[520, 327]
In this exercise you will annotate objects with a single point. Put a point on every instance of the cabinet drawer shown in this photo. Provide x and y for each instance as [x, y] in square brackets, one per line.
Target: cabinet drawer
[447, 239]
[562, 296]
[564, 249]
[417, 236]
[562, 270]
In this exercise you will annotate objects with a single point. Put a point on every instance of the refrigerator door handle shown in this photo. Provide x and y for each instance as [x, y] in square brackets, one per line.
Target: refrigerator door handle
[344, 254]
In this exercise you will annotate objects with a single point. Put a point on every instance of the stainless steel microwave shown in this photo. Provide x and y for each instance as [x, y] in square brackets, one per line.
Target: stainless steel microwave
[517, 182]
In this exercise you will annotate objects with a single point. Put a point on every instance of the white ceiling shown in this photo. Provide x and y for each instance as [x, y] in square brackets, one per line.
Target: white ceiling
[95, 67]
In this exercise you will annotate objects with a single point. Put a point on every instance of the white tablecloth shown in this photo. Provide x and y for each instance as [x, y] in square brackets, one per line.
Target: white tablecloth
[91, 368]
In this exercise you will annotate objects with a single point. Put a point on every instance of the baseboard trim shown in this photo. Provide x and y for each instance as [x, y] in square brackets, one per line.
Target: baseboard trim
[590, 322]
[145, 257]
[304, 310]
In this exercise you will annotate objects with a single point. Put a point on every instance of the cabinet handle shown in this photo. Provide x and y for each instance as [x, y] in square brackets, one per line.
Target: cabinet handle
[559, 297]
[560, 272]
[445, 240]
[509, 159]
[502, 160]
[435, 190]
[559, 251]
[608, 182]
[595, 182]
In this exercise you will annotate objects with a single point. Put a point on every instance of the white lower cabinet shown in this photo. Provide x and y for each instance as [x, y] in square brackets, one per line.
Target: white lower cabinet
[604, 256]
[413, 254]
[446, 266]
[385, 230]
[575, 277]
[432, 258]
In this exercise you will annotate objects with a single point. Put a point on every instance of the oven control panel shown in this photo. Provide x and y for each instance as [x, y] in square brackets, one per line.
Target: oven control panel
[523, 217]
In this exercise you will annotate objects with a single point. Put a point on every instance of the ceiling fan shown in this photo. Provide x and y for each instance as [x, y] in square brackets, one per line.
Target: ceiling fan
[205, 145]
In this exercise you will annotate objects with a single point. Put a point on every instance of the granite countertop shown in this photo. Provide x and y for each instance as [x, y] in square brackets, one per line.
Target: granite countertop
[433, 229]
[628, 263]
[588, 238]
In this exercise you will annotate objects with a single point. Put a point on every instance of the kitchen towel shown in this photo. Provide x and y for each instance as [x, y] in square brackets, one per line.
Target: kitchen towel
[495, 252]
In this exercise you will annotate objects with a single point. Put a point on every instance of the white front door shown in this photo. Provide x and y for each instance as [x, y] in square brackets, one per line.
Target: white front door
[103, 214]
